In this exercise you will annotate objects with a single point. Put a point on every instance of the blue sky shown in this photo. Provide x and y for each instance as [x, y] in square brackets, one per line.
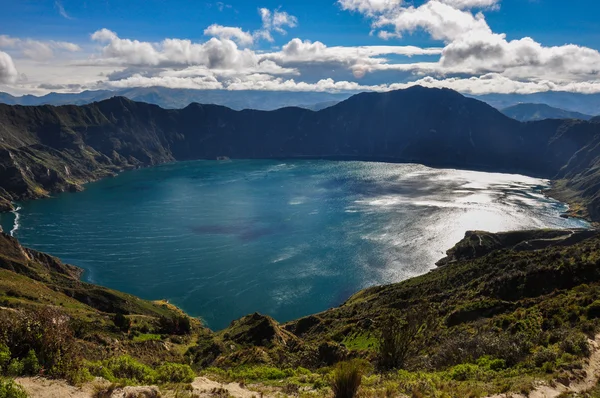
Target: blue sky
[474, 46]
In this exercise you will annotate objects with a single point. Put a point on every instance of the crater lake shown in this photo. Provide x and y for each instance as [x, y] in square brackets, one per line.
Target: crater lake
[222, 239]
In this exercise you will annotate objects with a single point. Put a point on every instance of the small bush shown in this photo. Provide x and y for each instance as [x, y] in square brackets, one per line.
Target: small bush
[4, 357]
[174, 373]
[15, 368]
[79, 375]
[576, 344]
[122, 322]
[10, 389]
[494, 364]
[464, 372]
[175, 325]
[544, 355]
[128, 368]
[346, 379]
[398, 338]
[593, 310]
[31, 365]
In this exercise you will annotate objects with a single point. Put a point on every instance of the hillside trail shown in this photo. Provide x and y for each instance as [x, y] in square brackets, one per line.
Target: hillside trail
[38, 387]
[203, 387]
[591, 370]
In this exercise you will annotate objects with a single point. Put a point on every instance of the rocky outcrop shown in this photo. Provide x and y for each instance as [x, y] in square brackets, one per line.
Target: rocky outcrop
[258, 330]
[477, 244]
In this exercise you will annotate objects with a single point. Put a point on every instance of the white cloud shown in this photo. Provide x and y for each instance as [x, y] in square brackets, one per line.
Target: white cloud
[471, 47]
[471, 57]
[370, 7]
[36, 49]
[274, 20]
[442, 21]
[271, 21]
[282, 19]
[214, 54]
[61, 10]
[8, 72]
[467, 4]
[232, 33]
[359, 60]
[222, 6]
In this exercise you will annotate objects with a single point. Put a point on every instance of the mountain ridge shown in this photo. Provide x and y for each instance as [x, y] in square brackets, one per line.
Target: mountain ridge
[45, 149]
[169, 98]
[526, 112]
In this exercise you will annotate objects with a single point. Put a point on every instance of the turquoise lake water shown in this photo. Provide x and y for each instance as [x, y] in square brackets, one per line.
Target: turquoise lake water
[285, 238]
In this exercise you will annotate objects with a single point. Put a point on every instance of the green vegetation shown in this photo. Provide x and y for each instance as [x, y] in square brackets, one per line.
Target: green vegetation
[398, 336]
[9, 389]
[346, 379]
[125, 370]
[489, 321]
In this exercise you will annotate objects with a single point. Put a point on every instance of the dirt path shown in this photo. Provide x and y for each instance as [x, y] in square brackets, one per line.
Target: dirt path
[203, 387]
[37, 387]
[592, 375]
[40, 387]
[209, 388]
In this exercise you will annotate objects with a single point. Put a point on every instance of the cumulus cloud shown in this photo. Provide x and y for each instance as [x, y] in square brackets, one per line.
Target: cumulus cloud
[271, 21]
[36, 49]
[466, 4]
[8, 72]
[471, 47]
[470, 57]
[370, 7]
[359, 60]
[228, 32]
[274, 20]
[214, 54]
[282, 19]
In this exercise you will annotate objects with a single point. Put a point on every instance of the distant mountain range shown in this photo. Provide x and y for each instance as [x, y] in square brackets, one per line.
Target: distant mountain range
[170, 98]
[46, 149]
[530, 112]
[588, 104]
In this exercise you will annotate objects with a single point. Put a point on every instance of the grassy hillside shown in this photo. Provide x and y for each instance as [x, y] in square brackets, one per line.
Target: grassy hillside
[503, 310]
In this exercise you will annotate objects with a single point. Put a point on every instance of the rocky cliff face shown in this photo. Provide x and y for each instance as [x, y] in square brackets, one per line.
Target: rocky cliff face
[46, 149]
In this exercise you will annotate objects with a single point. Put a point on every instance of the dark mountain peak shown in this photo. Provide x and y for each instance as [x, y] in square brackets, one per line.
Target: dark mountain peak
[116, 100]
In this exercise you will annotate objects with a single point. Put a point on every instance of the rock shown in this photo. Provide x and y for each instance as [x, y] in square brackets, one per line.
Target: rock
[258, 330]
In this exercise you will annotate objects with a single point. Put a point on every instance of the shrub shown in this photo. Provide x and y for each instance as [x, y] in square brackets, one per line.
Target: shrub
[398, 337]
[78, 376]
[346, 379]
[126, 367]
[31, 365]
[464, 372]
[15, 368]
[4, 357]
[47, 332]
[593, 310]
[544, 355]
[494, 364]
[174, 373]
[175, 325]
[10, 389]
[576, 344]
[122, 322]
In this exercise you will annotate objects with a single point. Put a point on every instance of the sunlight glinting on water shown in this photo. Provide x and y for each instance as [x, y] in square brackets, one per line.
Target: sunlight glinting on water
[223, 239]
